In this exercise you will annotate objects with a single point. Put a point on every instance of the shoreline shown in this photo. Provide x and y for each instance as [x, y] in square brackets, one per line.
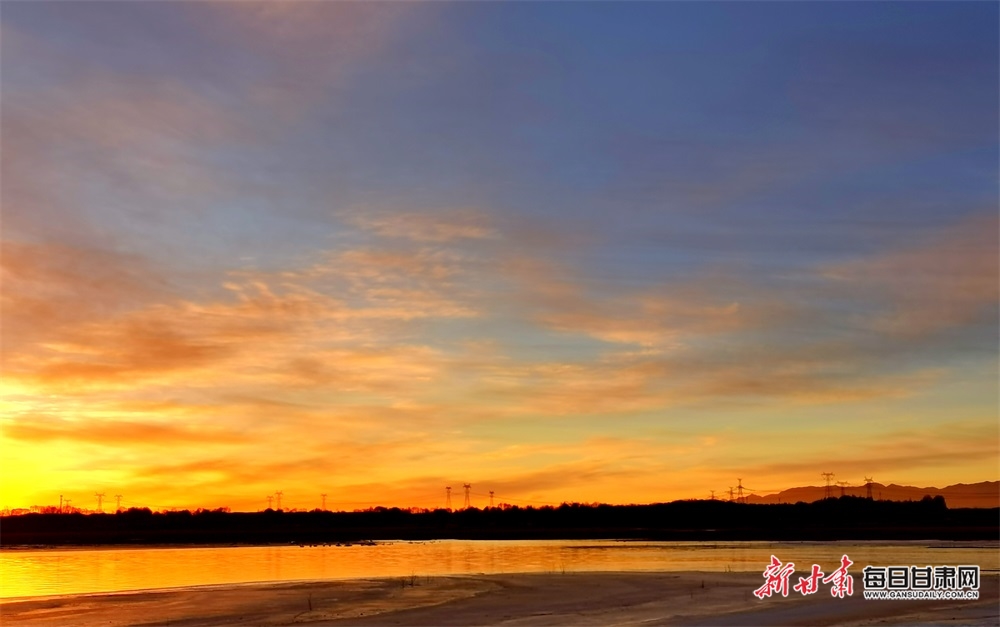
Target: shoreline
[845, 518]
[543, 599]
[929, 542]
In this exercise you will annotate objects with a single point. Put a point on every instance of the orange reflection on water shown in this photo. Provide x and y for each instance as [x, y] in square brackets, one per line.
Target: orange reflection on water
[47, 572]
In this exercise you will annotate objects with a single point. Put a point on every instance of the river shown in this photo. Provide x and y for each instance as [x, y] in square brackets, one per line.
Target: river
[47, 572]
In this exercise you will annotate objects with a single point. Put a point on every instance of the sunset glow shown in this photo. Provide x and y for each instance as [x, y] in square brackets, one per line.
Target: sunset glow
[563, 252]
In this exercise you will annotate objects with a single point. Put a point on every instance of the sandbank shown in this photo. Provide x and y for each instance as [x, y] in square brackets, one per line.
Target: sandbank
[601, 598]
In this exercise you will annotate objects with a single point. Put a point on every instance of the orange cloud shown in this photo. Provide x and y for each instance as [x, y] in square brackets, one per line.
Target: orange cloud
[116, 432]
[344, 347]
[48, 288]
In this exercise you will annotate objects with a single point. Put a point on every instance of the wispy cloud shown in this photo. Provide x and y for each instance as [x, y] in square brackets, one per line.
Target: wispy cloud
[435, 226]
[949, 280]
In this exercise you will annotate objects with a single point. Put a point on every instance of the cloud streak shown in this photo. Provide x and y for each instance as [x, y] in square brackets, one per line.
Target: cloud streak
[115, 433]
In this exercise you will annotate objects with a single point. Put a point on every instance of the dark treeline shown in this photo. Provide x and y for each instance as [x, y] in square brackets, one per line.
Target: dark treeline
[846, 518]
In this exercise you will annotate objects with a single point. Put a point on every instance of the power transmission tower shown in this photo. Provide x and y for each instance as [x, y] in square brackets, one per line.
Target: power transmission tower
[60, 503]
[269, 499]
[829, 490]
[739, 491]
[100, 500]
[467, 486]
[447, 498]
[118, 502]
[868, 488]
[491, 499]
[277, 496]
[713, 494]
[842, 485]
[68, 510]
[730, 494]
[324, 502]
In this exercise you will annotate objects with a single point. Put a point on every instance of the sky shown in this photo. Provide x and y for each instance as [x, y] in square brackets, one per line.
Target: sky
[579, 252]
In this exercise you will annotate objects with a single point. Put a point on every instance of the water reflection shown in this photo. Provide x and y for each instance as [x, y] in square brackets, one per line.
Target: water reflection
[52, 572]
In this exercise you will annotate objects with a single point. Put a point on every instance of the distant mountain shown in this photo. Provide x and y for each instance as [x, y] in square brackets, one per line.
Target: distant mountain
[982, 494]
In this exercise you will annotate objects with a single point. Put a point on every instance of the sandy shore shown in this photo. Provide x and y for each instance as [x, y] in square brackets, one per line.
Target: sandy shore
[522, 599]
